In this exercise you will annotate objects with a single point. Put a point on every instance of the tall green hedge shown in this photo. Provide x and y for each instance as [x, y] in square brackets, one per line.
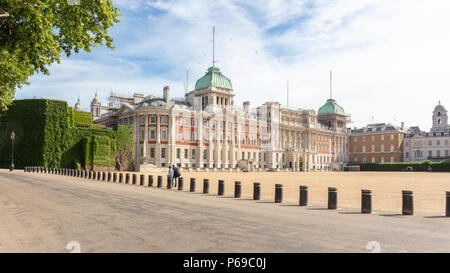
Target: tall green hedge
[443, 166]
[82, 118]
[48, 135]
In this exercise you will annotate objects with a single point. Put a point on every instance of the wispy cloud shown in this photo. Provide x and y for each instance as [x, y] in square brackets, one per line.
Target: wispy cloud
[388, 58]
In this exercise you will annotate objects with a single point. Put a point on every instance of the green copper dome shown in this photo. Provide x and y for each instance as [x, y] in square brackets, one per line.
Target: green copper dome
[331, 107]
[213, 77]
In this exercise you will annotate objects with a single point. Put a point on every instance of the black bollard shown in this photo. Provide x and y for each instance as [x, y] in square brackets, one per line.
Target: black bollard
[120, 177]
[256, 191]
[160, 181]
[221, 188]
[192, 185]
[278, 193]
[303, 200]
[99, 175]
[94, 175]
[366, 201]
[109, 177]
[447, 206]
[134, 179]
[169, 182]
[180, 183]
[127, 178]
[407, 203]
[115, 177]
[332, 198]
[150, 180]
[237, 189]
[205, 186]
[82, 174]
[104, 176]
[141, 180]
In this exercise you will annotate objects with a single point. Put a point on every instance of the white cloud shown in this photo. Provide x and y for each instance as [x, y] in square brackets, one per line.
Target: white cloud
[389, 58]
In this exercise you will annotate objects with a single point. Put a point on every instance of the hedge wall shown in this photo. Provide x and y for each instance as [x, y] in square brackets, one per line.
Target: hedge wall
[82, 118]
[48, 135]
[443, 166]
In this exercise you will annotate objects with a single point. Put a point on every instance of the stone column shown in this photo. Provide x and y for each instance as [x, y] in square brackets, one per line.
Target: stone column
[145, 136]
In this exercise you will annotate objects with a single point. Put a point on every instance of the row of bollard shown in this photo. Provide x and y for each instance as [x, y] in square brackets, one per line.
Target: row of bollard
[366, 195]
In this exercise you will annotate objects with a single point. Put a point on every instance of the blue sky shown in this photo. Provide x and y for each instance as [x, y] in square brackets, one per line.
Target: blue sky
[389, 58]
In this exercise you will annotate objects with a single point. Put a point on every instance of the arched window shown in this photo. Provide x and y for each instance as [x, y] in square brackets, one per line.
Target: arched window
[439, 121]
[439, 114]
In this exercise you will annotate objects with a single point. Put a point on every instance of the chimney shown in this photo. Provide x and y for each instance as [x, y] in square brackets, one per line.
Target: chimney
[402, 126]
[246, 105]
[166, 93]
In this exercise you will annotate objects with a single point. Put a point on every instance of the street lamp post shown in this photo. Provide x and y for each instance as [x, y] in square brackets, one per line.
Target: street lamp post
[13, 136]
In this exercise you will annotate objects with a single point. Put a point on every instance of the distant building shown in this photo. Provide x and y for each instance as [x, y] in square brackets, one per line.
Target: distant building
[78, 106]
[376, 143]
[433, 145]
[205, 130]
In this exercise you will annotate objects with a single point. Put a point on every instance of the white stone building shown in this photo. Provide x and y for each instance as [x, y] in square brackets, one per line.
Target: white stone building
[206, 131]
[433, 145]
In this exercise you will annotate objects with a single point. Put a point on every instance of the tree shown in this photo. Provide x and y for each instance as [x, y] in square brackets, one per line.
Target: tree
[34, 34]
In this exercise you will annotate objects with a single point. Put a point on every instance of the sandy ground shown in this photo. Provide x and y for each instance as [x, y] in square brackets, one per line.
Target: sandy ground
[43, 213]
[429, 188]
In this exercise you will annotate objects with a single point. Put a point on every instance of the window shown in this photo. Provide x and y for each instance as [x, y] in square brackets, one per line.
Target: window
[446, 153]
[407, 155]
[382, 137]
[438, 153]
[355, 139]
[356, 159]
[372, 148]
[430, 143]
[152, 119]
[152, 152]
[178, 153]
[243, 155]
[186, 152]
[205, 123]
[446, 142]
[373, 138]
[392, 158]
[430, 153]
[382, 148]
[392, 137]
[194, 136]
[186, 135]
[355, 149]
[364, 148]
[194, 123]
[142, 120]
[142, 133]
[364, 139]
[163, 152]
[364, 160]
[164, 134]
[373, 159]
[178, 121]
[164, 120]
[205, 154]
[438, 142]
[193, 154]
[152, 134]
[392, 148]
[186, 121]
[382, 159]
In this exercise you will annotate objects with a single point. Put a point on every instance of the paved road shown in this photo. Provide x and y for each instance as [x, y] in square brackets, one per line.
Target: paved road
[43, 213]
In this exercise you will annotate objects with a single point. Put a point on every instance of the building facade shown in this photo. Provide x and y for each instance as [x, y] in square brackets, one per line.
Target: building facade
[433, 145]
[376, 143]
[206, 131]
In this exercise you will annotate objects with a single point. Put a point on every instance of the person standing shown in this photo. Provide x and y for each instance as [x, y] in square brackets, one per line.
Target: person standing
[170, 175]
[176, 174]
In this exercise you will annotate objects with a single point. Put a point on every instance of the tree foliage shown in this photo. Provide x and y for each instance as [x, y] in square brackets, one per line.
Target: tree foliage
[37, 32]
